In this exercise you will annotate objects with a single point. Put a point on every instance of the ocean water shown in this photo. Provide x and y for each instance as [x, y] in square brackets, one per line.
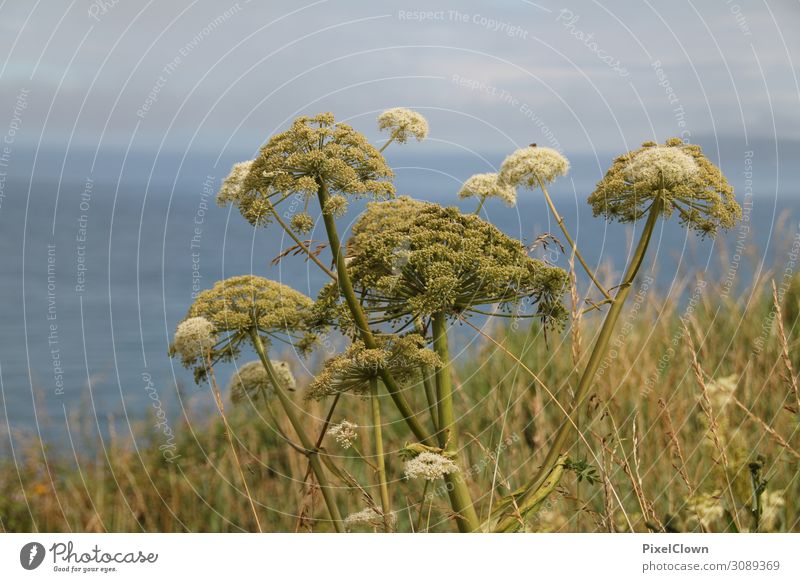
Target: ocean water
[99, 266]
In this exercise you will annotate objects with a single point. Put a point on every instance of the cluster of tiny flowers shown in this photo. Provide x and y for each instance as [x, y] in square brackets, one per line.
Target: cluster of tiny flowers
[231, 188]
[335, 205]
[652, 165]
[403, 123]
[194, 337]
[414, 258]
[676, 175]
[488, 186]
[529, 166]
[345, 433]
[251, 380]
[302, 222]
[352, 370]
[429, 466]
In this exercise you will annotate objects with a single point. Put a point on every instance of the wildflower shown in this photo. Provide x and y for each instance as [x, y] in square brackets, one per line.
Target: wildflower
[527, 166]
[237, 305]
[488, 186]
[239, 190]
[429, 466]
[251, 380]
[451, 262]
[242, 302]
[658, 163]
[232, 185]
[352, 370]
[336, 205]
[369, 516]
[402, 123]
[302, 222]
[345, 433]
[697, 191]
[194, 339]
[315, 152]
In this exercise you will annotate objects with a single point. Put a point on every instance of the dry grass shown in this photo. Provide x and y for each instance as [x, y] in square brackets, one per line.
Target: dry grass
[668, 444]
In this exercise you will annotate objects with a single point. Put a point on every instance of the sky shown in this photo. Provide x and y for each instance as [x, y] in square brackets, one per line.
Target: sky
[221, 77]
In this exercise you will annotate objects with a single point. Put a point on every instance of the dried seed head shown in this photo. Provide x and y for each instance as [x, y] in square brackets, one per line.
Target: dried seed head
[403, 123]
[527, 166]
[488, 186]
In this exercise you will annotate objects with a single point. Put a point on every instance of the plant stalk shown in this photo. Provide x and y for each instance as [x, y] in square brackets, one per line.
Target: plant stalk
[346, 288]
[378, 435]
[573, 247]
[311, 450]
[460, 500]
[597, 355]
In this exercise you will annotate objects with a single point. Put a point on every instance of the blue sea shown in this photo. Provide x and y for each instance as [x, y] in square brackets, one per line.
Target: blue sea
[102, 252]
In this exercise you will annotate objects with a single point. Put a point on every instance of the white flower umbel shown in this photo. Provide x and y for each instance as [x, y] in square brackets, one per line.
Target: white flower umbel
[345, 433]
[430, 466]
[232, 185]
[527, 166]
[649, 166]
[403, 123]
[488, 186]
[252, 379]
[194, 338]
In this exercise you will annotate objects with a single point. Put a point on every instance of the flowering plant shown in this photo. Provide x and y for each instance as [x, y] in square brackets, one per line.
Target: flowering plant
[408, 270]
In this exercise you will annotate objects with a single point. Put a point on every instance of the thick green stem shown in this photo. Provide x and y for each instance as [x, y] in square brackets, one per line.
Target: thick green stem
[427, 383]
[378, 435]
[346, 288]
[573, 247]
[311, 450]
[460, 499]
[597, 355]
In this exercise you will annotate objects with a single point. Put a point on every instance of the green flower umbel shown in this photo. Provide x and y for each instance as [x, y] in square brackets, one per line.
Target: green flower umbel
[234, 307]
[352, 370]
[679, 175]
[251, 381]
[315, 151]
[413, 258]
